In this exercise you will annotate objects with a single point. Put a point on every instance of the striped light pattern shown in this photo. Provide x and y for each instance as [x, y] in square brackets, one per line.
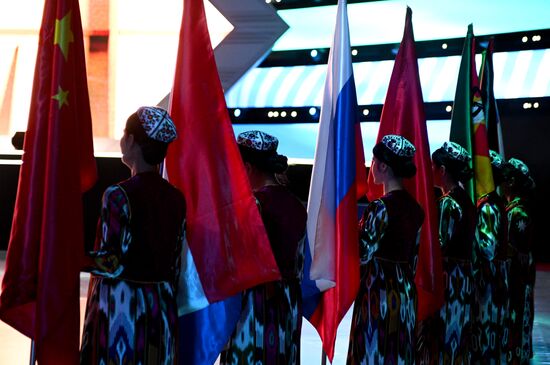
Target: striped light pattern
[517, 74]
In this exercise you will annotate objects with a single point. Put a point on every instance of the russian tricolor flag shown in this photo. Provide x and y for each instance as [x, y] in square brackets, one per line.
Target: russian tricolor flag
[338, 180]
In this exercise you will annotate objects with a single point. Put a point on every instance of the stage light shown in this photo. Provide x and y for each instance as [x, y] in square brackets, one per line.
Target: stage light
[314, 53]
[293, 114]
[444, 46]
[365, 112]
[275, 114]
[449, 108]
[535, 105]
[237, 113]
[270, 114]
[268, 1]
[524, 39]
[283, 114]
[312, 111]
[527, 105]
[354, 52]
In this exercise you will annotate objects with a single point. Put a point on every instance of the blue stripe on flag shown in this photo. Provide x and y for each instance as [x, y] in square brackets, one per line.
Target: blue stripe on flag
[204, 333]
[311, 295]
[345, 119]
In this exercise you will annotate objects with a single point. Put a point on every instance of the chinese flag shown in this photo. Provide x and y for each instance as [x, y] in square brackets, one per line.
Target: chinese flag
[40, 290]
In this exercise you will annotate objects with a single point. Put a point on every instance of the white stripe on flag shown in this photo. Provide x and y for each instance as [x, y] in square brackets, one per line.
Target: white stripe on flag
[322, 196]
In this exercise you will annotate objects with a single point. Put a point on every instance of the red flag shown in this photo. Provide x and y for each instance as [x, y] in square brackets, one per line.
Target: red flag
[403, 114]
[40, 290]
[225, 232]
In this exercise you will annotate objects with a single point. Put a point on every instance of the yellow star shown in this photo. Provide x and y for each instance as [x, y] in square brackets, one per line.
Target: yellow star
[63, 34]
[61, 96]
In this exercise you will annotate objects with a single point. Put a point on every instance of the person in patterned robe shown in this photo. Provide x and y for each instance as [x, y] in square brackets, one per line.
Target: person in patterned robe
[517, 186]
[491, 271]
[384, 314]
[270, 326]
[456, 234]
[131, 312]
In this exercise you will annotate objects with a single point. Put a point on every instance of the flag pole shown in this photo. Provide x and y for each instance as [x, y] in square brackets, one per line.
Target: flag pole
[323, 357]
[32, 359]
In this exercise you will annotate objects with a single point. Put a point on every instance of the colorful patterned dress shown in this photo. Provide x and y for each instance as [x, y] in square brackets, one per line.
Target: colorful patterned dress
[384, 313]
[522, 281]
[490, 307]
[456, 235]
[270, 326]
[131, 313]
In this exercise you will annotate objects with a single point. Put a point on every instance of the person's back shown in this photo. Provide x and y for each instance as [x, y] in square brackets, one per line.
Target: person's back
[156, 216]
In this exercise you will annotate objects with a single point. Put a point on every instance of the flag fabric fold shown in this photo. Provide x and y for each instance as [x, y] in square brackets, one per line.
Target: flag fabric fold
[486, 85]
[403, 114]
[468, 126]
[338, 180]
[41, 286]
[228, 248]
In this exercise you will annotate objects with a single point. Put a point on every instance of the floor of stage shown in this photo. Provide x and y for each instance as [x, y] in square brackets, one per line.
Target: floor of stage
[15, 348]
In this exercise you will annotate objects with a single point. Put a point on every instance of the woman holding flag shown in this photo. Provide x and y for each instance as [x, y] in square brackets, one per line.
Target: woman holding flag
[384, 314]
[456, 234]
[517, 187]
[131, 313]
[270, 326]
[490, 274]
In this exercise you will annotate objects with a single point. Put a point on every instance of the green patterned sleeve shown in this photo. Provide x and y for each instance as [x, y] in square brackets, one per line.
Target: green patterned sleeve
[449, 214]
[518, 221]
[487, 231]
[371, 229]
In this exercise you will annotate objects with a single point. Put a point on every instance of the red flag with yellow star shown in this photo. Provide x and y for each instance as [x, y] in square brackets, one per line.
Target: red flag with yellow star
[40, 289]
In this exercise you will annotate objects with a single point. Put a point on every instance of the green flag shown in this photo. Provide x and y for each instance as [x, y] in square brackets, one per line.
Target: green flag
[461, 119]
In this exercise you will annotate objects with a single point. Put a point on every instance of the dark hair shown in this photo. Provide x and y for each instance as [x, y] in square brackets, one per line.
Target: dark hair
[459, 170]
[153, 151]
[498, 174]
[267, 161]
[517, 182]
[401, 166]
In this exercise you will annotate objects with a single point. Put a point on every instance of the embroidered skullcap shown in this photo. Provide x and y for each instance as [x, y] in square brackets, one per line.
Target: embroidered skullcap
[258, 140]
[399, 145]
[157, 124]
[496, 159]
[522, 168]
[397, 152]
[456, 151]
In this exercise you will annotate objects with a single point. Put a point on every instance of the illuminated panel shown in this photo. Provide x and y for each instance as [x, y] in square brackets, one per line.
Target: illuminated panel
[517, 74]
[382, 22]
[142, 52]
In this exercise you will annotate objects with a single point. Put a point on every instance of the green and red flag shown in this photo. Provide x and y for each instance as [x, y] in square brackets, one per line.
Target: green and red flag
[41, 285]
[486, 85]
[468, 125]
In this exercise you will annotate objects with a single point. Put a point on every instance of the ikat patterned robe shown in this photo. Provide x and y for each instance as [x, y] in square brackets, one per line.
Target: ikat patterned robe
[384, 314]
[491, 270]
[456, 235]
[270, 326]
[131, 312]
[522, 282]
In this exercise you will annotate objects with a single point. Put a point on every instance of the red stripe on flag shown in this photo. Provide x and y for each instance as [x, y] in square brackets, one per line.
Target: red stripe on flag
[336, 301]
